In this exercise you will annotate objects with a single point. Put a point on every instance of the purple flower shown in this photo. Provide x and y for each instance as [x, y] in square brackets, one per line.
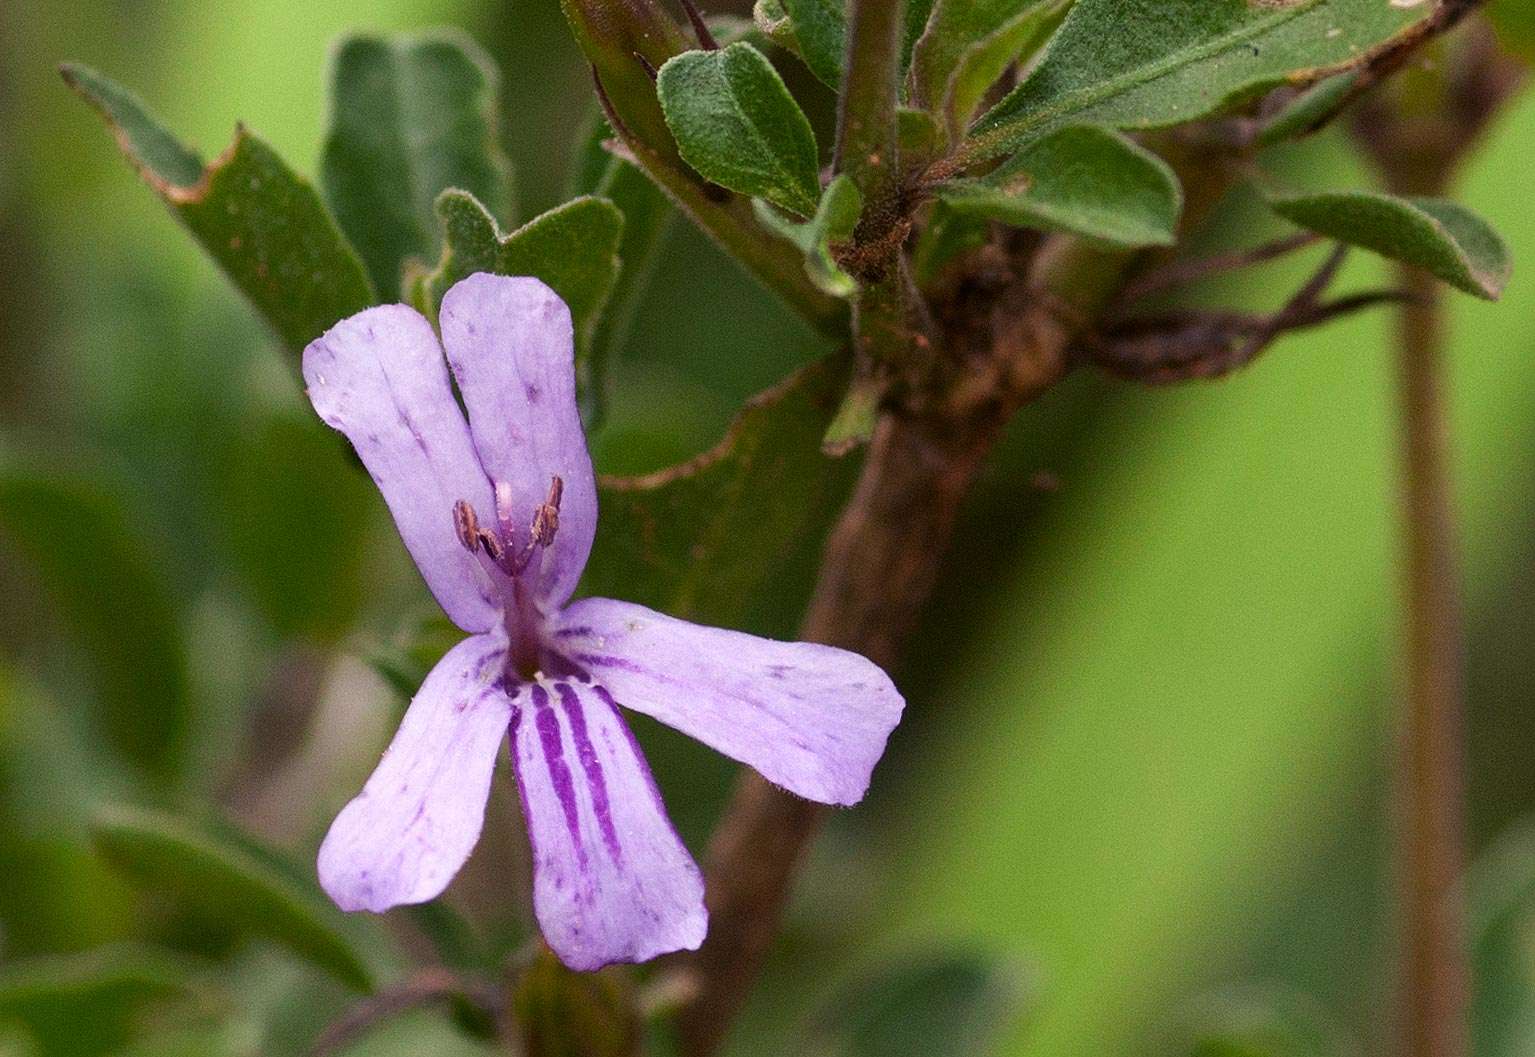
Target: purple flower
[499, 514]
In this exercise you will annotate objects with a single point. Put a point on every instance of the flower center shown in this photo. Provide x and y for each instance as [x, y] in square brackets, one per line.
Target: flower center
[498, 543]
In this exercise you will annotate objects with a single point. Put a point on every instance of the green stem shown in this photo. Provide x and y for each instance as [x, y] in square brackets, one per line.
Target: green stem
[867, 135]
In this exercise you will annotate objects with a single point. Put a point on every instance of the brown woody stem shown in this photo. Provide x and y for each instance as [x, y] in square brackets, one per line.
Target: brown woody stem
[1431, 786]
[880, 565]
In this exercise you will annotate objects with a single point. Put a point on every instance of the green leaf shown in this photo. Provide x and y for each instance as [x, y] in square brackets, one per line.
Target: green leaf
[647, 214]
[938, 1003]
[1443, 238]
[737, 124]
[295, 523]
[573, 248]
[411, 116]
[1300, 114]
[262, 223]
[1084, 180]
[1253, 1023]
[967, 45]
[113, 600]
[834, 220]
[228, 883]
[1148, 65]
[1501, 895]
[75, 1005]
[820, 28]
[701, 540]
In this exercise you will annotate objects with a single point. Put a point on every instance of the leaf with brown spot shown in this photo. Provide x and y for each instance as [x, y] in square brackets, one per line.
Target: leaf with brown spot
[261, 222]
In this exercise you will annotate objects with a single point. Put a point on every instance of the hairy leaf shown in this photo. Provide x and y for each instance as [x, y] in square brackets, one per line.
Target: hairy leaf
[820, 27]
[261, 222]
[701, 540]
[949, 1003]
[1082, 179]
[113, 601]
[411, 116]
[737, 124]
[573, 248]
[230, 885]
[1441, 237]
[967, 45]
[834, 220]
[1152, 63]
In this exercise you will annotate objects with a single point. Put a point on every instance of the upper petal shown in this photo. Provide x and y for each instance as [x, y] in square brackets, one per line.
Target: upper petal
[612, 882]
[512, 348]
[379, 377]
[810, 718]
[406, 834]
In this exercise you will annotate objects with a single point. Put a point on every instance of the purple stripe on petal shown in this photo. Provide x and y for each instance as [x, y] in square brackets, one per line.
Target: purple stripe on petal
[589, 763]
[593, 908]
[559, 773]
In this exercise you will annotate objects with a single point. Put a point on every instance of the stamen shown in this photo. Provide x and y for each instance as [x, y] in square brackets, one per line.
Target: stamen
[466, 526]
[541, 531]
[546, 522]
[546, 519]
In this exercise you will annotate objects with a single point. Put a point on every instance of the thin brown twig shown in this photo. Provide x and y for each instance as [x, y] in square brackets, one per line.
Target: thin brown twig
[1183, 272]
[700, 27]
[423, 988]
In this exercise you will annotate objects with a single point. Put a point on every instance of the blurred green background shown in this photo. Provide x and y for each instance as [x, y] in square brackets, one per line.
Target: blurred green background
[1144, 758]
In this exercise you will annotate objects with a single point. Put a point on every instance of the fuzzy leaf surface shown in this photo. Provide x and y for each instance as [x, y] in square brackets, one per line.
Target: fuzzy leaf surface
[573, 248]
[834, 220]
[966, 46]
[736, 123]
[1443, 238]
[261, 222]
[411, 116]
[1084, 180]
[1138, 64]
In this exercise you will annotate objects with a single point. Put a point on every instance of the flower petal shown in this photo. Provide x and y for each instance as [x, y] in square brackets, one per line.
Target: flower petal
[612, 882]
[810, 718]
[410, 829]
[379, 377]
[511, 345]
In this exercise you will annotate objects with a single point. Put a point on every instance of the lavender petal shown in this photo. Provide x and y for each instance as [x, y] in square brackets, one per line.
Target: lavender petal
[612, 882]
[380, 378]
[419, 816]
[511, 345]
[811, 718]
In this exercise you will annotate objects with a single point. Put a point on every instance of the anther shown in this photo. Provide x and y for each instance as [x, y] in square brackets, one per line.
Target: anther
[466, 526]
